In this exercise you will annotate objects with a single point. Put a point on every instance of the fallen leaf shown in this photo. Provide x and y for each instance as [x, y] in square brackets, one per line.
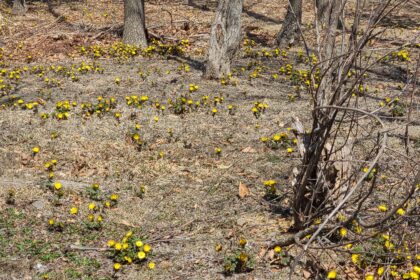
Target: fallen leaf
[306, 274]
[243, 190]
[249, 150]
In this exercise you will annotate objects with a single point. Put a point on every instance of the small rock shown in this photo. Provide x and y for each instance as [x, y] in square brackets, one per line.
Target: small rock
[40, 268]
[39, 204]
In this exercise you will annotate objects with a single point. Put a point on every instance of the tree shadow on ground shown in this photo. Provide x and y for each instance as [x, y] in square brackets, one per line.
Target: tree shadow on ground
[261, 17]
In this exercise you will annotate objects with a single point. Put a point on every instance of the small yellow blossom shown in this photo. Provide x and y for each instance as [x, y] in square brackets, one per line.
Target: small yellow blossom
[74, 210]
[92, 206]
[382, 208]
[141, 255]
[355, 258]
[118, 246]
[147, 248]
[139, 243]
[277, 249]
[401, 212]
[117, 266]
[381, 271]
[36, 149]
[111, 243]
[332, 274]
[57, 185]
[369, 277]
[151, 265]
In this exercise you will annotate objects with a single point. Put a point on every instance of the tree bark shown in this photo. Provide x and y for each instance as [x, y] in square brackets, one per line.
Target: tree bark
[134, 23]
[225, 37]
[19, 7]
[289, 32]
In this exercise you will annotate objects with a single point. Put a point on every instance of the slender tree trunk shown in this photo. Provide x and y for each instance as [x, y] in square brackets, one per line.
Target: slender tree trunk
[19, 7]
[225, 37]
[289, 32]
[134, 23]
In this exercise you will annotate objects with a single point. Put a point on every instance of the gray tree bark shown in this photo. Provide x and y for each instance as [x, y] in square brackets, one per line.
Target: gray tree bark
[19, 7]
[225, 37]
[134, 23]
[289, 32]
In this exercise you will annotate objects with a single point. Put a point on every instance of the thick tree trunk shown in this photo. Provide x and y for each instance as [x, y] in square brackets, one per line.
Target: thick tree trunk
[19, 7]
[325, 9]
[134, 23]
[225, 37]
[289, 32]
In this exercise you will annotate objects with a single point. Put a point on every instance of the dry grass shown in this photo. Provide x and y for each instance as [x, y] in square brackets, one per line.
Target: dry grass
[192, 202]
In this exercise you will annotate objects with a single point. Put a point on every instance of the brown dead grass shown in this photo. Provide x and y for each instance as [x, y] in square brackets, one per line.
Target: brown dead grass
[192, 199]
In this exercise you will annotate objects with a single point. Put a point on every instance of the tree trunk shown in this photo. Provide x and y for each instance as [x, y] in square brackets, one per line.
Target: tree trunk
[324, 10]
[225, 37]
[19, 7]
[289, 32]
[134, 23]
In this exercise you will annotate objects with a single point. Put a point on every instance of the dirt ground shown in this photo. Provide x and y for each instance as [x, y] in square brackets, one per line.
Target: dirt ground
[191, 201]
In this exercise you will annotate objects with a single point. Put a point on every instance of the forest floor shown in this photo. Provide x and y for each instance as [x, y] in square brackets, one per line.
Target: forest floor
[176, 190]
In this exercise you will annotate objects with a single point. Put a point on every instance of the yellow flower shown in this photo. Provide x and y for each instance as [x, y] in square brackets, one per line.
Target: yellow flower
[129, 234]
[355, 258]
[381, 271]
[290, 150]
[36, 149]
[401, 212]
[389, 245]
[382, 208]
[99, 219]
[276, 137]
[141, 255]
[57, 185]
[139, 243]
[147, 248]
[151, 265]
[416, 269]
[111, 243]
[117, 266]
[343, 232]
[128, 259]
[114, 197]
[118, 246]
[270, 183]
[51, 222]
[348, 246]
[414, 275]
[125, 246]
[332, 274]
[369, 277]
[218, 247]
[74, 210]
[277, 249]
[92, 206]
[242, 242]
[218, 150]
